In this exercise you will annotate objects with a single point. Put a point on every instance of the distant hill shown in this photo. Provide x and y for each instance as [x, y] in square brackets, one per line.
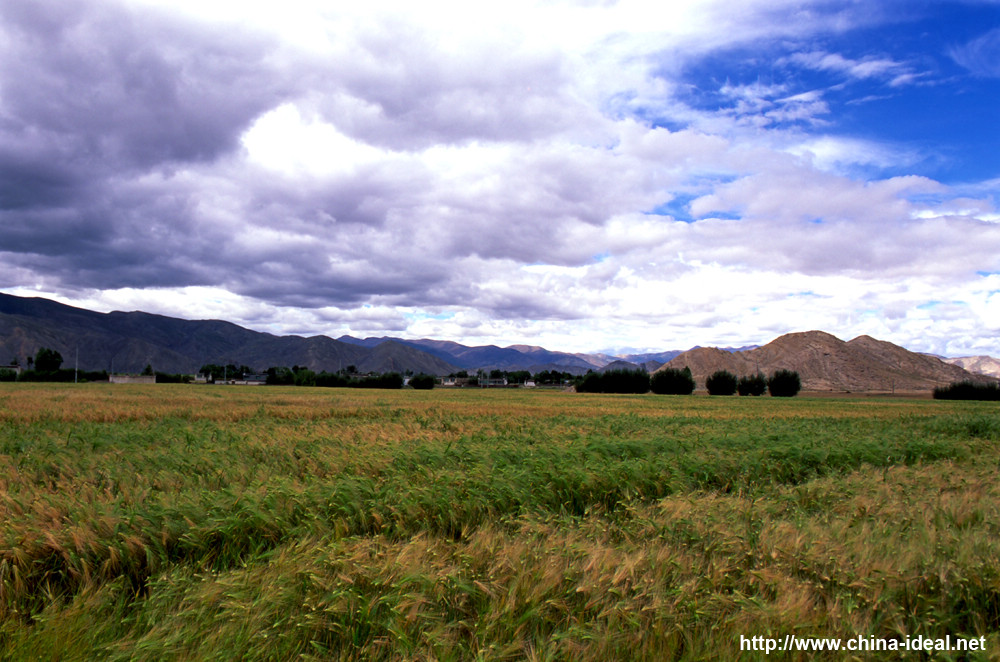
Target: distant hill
[127, 342]
[981, 365]
[826, 363]
[653, 357]
[621, 365]
[489, 357]
[392, 356]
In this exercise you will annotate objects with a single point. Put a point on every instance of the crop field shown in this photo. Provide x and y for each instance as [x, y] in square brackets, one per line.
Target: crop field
[175, 522]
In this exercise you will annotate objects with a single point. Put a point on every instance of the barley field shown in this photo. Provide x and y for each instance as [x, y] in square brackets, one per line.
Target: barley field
[177, 522]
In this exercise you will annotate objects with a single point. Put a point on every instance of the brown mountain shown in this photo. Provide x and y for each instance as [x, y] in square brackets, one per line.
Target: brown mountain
[826, 363]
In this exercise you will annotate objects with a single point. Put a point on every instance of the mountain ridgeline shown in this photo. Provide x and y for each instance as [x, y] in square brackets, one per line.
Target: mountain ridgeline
[128, 342]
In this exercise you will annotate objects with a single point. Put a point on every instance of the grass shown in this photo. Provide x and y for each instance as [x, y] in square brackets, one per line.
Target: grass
[199, 523]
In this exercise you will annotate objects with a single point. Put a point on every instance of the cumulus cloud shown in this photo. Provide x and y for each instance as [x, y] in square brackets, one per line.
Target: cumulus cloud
[536, 173]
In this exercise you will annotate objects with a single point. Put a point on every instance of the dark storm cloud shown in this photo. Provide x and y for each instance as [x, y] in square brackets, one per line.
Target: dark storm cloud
[111, 88]
[95, 99]
[119, 130]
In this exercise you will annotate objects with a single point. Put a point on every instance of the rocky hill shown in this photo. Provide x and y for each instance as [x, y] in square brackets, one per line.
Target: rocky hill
[981, 365]
[826, 363]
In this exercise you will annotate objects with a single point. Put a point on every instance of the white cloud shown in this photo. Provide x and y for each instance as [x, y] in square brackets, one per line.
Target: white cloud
[981, 55]
[868, 67]
[283, 140]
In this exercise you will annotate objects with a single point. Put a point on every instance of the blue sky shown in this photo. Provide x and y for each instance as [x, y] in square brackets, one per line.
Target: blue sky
[576, 175]
[924, 80]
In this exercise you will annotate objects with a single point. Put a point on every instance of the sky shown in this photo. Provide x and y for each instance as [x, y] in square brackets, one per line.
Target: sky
[583, 176]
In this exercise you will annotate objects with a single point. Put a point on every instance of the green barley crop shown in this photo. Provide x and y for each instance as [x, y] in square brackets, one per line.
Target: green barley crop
[188, 522]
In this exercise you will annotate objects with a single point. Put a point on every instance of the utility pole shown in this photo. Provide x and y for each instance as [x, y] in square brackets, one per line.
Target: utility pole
[76, 366]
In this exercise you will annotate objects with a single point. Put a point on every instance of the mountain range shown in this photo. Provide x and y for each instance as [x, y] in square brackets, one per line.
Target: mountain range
[129, 341]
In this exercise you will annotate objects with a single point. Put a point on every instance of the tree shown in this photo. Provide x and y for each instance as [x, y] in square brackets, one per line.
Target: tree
[422, 381]
[615, 381]
[671, 381]
[304, 377]
[752, 385]
[148, 370]
[385, 380]
[968, 390]
[280, 376]
[721, 382]
[327, 379]
[784, 384]
[518, 376]
[47, 360]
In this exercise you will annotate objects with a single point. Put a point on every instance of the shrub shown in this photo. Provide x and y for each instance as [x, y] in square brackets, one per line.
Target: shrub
[752, 385]
[966, 390]
[721, 382]
[7, 375]
[422, 381]
[671, 381]
[784, 384]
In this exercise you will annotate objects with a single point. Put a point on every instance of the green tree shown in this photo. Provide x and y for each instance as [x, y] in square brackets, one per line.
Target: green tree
[422, 381]
[721, 382]
[280, 375]
[671, 381]
[305, 377]
[784, 384]
[148, 370]
[47, 360]
[615, 381]
[752, 385]
[518, 376]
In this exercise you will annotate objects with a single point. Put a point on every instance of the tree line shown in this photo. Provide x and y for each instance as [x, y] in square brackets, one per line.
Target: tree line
[673, 381]
[46, 366]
